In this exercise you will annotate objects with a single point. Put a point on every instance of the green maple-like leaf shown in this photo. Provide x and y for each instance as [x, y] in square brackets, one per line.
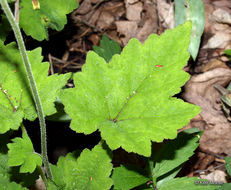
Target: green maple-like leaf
[130, 99]
[52, 14]
[128, 177]
[16, 101]
[107, 48]
[21, 153]
[90, 171]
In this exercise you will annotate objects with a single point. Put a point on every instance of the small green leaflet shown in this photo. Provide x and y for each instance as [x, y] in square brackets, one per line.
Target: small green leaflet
[52, 14]
[191, 10]
[91, 171]
[21, 153]
[16, 100]
[191, 183]
[107, 48]
[130, 99]
[174, 153]
[128, 177]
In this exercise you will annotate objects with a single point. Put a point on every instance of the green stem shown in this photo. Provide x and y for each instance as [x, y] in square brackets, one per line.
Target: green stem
[23, 129]
[151, 164]
[26, 62]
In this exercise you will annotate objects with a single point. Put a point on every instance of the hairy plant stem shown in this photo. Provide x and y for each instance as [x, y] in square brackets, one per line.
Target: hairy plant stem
[34, 90]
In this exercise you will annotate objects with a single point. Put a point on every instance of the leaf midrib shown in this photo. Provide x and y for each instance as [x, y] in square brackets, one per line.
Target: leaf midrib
[131, 96]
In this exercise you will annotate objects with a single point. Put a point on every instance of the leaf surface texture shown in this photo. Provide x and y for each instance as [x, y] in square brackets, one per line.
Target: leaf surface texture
[90, 171]
[130, 98]
[16, 100]
[51, 14]
[21, 153]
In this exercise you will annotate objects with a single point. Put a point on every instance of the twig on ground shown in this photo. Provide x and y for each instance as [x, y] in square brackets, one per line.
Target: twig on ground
[207, 170]
[51, 64]
[63, 64]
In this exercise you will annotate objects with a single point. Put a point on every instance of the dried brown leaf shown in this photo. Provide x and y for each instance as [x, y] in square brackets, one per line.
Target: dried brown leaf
[199, 90]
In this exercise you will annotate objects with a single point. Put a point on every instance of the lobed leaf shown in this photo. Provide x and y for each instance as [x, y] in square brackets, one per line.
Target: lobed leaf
[128, 177]
[52, 14]
[90, 171]
[21, 153]
[107, 48]
[130, 99]
[16, 101]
